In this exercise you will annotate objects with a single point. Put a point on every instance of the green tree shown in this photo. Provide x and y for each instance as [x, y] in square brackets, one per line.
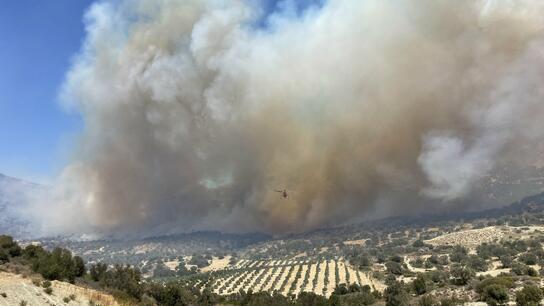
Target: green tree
[9, 246]
[310, 299]
[79, 266]
[396, 295]
[4, 257]
[98, 271]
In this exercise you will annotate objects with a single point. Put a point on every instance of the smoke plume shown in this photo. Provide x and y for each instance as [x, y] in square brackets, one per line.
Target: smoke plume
[195, 112]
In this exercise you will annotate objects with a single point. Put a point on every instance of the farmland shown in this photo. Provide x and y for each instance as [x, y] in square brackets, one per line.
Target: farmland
[290, 277]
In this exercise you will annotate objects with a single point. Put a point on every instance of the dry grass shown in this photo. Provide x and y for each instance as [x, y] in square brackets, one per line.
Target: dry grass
[218, 264]
[18, 289]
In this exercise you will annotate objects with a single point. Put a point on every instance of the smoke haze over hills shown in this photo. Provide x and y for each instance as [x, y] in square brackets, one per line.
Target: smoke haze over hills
[194, 115]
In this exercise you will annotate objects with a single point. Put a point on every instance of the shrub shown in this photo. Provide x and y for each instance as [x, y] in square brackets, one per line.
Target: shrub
[359, 298]
[394, 267]
[341, 289]
[419, 285]
[3, 256]
[450, 302]
[476, 263]
[495, 294]
[528, 258]
[529, 296]
[503, 281]
[46, 284]
[427, 300]
[9, 246]
[55, 265]
[418, 243]
[396, 295]
[199, 261]
[458, 254]
[506, 261]
[3, 294]
[462, 275]
[48, 290]
[23, 303]
[522, 269]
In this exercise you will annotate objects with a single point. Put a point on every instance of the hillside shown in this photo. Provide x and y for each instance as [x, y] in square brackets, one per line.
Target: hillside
[17, 289]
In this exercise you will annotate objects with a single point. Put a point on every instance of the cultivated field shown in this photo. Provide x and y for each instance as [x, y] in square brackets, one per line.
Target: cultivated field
[290, 277]
[474, 237]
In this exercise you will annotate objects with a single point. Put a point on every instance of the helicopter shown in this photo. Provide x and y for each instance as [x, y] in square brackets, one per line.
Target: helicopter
[282, 192]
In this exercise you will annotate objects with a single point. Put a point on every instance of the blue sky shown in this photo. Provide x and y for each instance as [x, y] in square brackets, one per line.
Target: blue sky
[38, 39]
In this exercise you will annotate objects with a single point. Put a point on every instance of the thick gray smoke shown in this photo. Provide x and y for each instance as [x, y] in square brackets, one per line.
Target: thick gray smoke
[194, 115]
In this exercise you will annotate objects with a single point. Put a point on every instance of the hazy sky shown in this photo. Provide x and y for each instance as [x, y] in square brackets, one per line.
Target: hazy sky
[38, 39]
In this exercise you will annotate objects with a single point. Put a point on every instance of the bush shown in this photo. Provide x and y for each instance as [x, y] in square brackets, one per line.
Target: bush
[528, 259]
[308, 299]
[9, 246]
[458, 254]
[48, 290]
[451, 301]
[418, 243]
[3, 256]
[462, 275]
[79, 266]
[3, 294]
[98, 271]
[503, 281]
[199, 261]
[476, 263]
[394, 267]
[529, 296]
[22, 303]
[123, 278]
[46, 284]
[506, 261]
[419, 285]
[341, 289]
[427, 300]
[437, 260]
[55, 265]
[522, 269]
[495, 294]
[396, 295]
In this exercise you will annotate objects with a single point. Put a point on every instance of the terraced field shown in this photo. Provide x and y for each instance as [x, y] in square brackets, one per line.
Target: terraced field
[290, 277]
